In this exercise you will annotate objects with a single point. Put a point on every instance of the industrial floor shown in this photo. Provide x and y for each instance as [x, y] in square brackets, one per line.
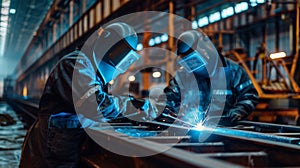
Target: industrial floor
[12, 134]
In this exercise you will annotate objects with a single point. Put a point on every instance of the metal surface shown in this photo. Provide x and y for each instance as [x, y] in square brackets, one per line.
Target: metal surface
[250, 144]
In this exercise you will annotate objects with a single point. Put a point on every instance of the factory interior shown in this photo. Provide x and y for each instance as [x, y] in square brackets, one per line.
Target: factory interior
[259, 36]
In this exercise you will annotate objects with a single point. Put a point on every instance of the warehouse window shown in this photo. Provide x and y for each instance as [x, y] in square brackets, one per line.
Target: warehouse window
[214, 17]
[227, 12]
[240, 7]
[194, 25]
[139, 47]
[253, 3]
[260, 1]
[203, 21]
[151, 42]
[164, 37]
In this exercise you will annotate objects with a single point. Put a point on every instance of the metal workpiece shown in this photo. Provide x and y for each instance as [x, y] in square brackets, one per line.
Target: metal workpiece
[279, 128]
[163, 155]
[182, 146]
[162, 144]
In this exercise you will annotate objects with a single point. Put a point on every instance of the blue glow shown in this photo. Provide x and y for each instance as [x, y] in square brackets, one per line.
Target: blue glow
[194, 25]
[12, 11]
[139, 47]
[227, 12]
[260, 1]
[164, 38]
[151, 42]
[135, 132]
[214, 17]
[240, 7]
[253, 4]
[157, 40]
[203, 21]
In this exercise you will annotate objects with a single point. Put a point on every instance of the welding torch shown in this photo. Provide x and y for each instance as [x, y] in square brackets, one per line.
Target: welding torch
[172, 115]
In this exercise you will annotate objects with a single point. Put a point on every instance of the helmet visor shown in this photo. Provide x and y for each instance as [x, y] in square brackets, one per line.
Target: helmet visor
[122, 56]
[193, 62]
[127, 61]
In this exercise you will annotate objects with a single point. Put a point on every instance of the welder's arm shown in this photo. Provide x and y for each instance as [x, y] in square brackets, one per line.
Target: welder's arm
[172, 106]
[246, 96]
[173, 96]
[137, 109]
[88, 95]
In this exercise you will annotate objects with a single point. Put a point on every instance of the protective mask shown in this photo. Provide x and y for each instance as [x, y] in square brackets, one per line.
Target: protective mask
[193, 62]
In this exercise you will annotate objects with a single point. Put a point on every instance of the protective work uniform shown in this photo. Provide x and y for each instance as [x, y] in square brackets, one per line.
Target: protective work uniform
[77, 85]
[208, 84]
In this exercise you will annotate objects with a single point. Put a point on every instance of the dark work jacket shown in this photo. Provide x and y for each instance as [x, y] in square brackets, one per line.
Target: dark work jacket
[56, 137]
[228, 90]
[67, 87]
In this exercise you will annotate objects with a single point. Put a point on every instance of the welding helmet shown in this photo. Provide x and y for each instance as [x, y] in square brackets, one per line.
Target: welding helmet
[115, 50]
[197, 53]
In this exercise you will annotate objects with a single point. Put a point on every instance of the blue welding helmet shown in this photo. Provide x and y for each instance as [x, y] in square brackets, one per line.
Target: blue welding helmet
[115, 50]
[197, 53]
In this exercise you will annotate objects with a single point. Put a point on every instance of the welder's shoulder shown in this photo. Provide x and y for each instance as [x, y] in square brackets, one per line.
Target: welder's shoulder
[233, 66]
[75, 58]
[75, 55]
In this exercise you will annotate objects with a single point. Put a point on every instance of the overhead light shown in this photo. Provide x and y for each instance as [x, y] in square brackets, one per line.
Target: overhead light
[164, 37]
[157, 40]
[194, 25]
[3, 24]
[151, 42]
[6, 3]
[4, 18]
[253, 3]
[227, 12]
[261, 1]
[3, 33]
[214, 17]
[203, 21]
[139, 47]
[278, 55]
[4, 11]
[12, 11]
[240, 7]
[111, 82]
[131, 78]
[156, 74]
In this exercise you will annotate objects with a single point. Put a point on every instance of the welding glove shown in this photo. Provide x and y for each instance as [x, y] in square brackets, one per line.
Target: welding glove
[136, 109]
[107, 106]
[236, 115]
[146, 106]
[173, 96]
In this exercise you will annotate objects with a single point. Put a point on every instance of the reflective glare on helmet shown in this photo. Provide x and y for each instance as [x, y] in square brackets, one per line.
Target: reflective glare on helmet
[127, 61]
[193, 62]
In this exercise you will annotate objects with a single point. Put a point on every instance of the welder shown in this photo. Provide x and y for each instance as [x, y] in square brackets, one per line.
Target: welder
[75, 97]
[218, 86]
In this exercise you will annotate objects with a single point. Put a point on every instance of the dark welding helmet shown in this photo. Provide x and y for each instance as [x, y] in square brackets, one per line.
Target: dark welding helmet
[115, 50]
[197, 54]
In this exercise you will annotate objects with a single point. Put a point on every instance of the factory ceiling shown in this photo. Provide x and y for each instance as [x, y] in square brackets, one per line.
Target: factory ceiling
[19, 21]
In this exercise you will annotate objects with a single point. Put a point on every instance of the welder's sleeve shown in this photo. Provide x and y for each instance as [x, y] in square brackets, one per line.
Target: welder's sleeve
[89, 98]
[136, 108]
[246, 96]
[173, 95]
